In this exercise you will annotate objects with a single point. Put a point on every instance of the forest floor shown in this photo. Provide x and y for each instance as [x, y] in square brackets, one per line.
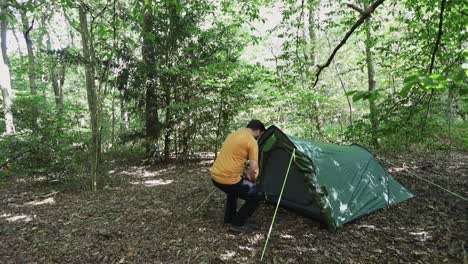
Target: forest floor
[148, 214]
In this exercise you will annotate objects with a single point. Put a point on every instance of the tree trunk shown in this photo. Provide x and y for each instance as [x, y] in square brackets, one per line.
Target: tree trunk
[312, 57]
[88, 55]
[151, 100]
[371, 83]
[350, 106]
[5, 81]
[338, 74]
[57, 87]
[123, 114]
[317, 120]
[70, 36]
[63, 71]
[167, 136]
[29, 45]
[168, 127]
[18, 47]
[312, 38]
[113, 118]
[32, 64]
[176, 142]
[4, 25]
[219, 126]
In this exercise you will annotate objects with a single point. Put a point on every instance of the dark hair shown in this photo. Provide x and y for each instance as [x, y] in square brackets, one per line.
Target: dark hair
[255, 124]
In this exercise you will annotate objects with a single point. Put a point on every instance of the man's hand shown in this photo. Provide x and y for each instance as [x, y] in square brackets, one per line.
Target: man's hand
[247, 174]
[253, 170]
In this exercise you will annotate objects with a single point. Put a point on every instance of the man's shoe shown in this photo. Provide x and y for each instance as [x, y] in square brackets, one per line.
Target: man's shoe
[251, 225]
[242, 229]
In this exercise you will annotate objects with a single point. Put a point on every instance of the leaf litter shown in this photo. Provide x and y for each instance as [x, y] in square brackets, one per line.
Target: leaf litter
[146, 215]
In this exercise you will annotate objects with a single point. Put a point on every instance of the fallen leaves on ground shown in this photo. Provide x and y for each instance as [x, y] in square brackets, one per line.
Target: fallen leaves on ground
[147, 215]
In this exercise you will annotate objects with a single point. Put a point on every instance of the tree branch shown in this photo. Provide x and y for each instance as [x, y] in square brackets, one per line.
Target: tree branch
[366, 14]
[100, 12]
[27, 30]
[439, 36]
[299, 20]
[431, 67]
[355, 7]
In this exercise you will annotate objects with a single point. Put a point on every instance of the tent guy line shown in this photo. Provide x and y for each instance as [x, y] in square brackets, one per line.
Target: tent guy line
[428, 181]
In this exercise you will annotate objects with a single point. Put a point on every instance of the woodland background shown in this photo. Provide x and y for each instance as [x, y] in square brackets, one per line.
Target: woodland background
[83, 82]
[130, 101]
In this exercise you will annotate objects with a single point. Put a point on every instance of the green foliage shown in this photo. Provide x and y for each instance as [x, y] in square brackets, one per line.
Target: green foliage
[206, 86]
[47, 151]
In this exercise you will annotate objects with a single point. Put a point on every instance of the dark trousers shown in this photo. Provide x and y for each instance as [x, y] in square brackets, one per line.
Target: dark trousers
[245, 190]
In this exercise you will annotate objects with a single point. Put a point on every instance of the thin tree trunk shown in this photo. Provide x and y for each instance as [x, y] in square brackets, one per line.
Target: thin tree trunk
[371, 84]
[20, 52]
[219, 129]
[176, 139]
[29, 45]
[123, 114]
[63, 72]
[56, 88]
[168, 127]
[317, 120]
[5, 81]
[88, 55]
[312, 37]
[70, 36]
[449, 121]
[32, 63]
[151, 100]
[113, 118]
[4, 28]
[55, 83]
[312, 57]
[5, 85]
[18, 49]
[168, 130]
[350, 106]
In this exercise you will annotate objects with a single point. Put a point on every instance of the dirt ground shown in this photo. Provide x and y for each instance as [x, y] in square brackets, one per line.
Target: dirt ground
[149, 215]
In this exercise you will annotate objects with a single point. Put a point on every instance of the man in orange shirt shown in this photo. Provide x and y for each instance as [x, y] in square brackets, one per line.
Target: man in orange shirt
[228, 169]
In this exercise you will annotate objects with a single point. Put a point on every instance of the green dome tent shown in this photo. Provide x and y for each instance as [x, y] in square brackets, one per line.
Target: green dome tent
[334, 184]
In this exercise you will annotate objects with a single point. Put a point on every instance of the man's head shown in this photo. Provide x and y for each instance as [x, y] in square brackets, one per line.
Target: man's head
[257, 127]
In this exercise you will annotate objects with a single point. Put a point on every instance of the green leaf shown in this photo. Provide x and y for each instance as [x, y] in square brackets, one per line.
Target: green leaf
[374, 95]
[406, 89]
[463, 91]
[359, 95]
[351, 92]
[413, 78]
[426, 82]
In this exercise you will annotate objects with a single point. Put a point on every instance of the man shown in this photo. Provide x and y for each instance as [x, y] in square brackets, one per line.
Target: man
[228, 169]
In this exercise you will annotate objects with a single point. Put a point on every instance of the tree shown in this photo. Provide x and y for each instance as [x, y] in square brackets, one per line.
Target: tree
[27, 27]
[5, 80]
[93, 104]
[371, 79]
[57, 76]
[371, 83]
[152, 124]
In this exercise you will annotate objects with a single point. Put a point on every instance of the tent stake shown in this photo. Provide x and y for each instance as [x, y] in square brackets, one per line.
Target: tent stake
[293, 156]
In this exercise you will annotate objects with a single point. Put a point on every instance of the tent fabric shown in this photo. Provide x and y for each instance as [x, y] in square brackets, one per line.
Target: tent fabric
[332, 183]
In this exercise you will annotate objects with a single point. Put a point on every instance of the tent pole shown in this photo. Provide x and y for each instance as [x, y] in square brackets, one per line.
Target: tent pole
[293, 156]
